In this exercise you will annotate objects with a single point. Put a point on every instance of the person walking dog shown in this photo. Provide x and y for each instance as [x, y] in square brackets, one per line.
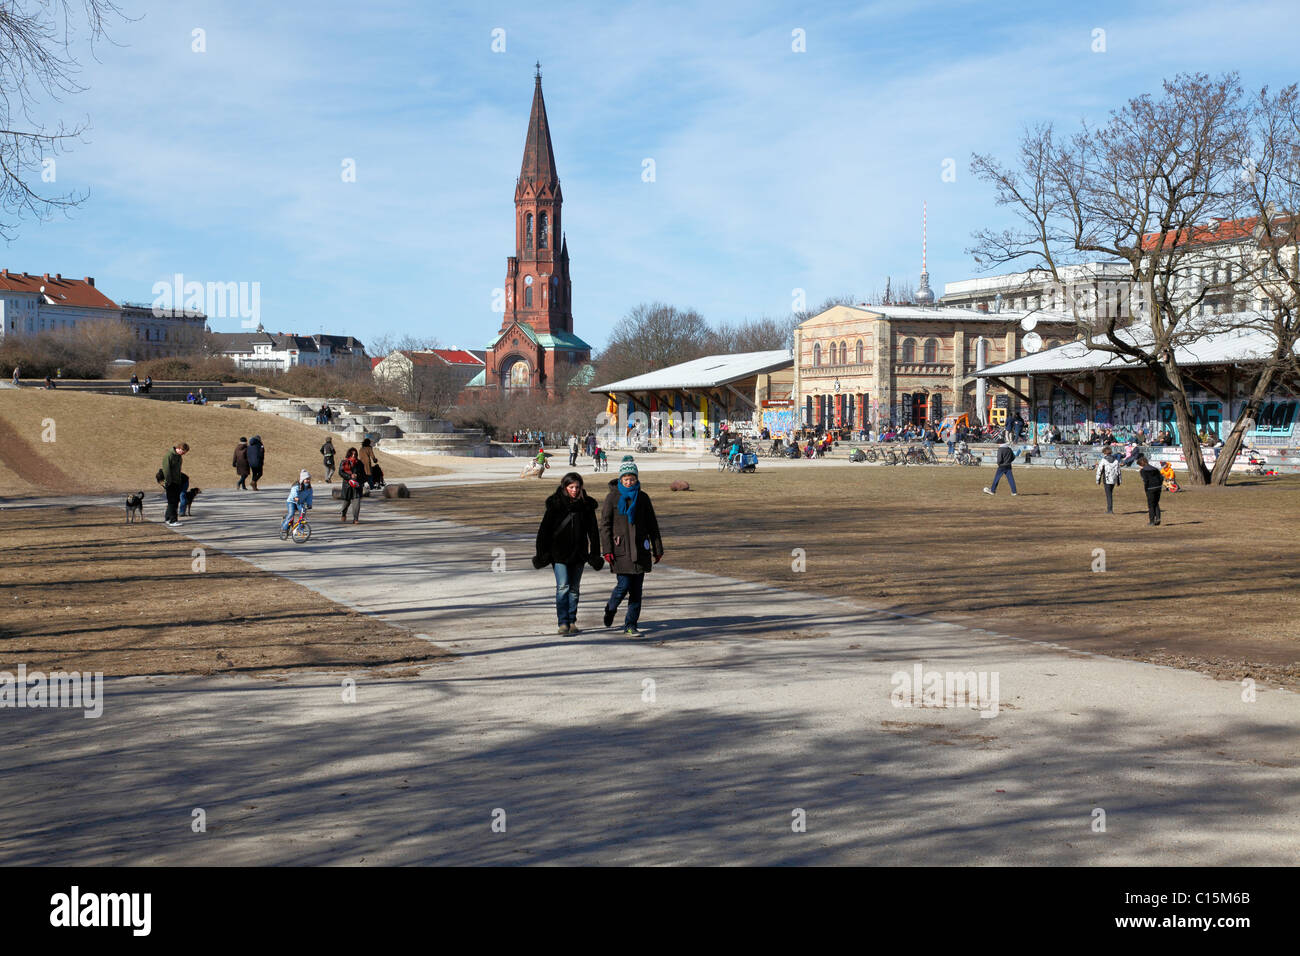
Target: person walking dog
[1109, 470]
[629, 543]
[1006, 458]
[172, 482]
[568, 538]
[1152, 482]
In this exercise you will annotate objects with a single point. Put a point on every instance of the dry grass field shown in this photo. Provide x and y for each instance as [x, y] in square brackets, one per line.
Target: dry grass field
[92, 594]
[1213, 588]
[106, 443]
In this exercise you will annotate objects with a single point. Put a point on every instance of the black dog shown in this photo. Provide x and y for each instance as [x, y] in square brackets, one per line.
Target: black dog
[134, 506]
[189, 500]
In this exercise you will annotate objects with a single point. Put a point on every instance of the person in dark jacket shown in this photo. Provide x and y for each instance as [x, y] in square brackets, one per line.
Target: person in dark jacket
[173, 480]
[240, 463]
[256, 458]
[629, 543]
[1006, 458]
[1152, 482]
[327, 459]
[353, 476]
[568, 538]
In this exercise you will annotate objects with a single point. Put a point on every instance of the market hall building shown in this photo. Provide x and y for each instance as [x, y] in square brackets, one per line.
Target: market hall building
[876, 364]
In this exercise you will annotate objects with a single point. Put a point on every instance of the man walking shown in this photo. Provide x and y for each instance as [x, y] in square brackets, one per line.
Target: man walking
[256, 458]
[1006, 458]
[327, 458]
[173, 480]
[1152, 483]
[573, 450]
[1108, 475]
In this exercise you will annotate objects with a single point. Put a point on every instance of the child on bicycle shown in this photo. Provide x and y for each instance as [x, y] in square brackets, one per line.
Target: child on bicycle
[299, 500]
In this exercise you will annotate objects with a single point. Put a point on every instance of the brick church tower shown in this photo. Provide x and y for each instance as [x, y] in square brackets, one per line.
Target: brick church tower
[536, 334]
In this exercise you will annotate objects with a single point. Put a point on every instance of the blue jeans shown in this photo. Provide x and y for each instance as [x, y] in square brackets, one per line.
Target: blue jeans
[1004, 470]
[630, 585]
[290, 508]
[568, 577]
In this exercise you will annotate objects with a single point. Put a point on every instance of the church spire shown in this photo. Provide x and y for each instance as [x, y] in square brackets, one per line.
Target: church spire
[539, 158]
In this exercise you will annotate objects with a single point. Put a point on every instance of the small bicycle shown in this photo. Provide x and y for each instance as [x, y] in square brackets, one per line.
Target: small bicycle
[299, 528]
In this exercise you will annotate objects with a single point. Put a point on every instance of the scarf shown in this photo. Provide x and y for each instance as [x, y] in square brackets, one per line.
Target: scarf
[627, 501]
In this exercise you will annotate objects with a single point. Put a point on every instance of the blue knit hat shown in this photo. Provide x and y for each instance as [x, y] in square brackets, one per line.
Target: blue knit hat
[628, 468]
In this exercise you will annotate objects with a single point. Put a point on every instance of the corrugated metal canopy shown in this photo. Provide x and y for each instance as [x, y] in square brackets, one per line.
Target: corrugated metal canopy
[1212, 348]
[712, 371]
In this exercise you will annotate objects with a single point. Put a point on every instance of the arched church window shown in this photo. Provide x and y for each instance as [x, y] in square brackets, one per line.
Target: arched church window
[528, 231]
[909, 352]
[528, 297]
[931, 351]
[541, 232]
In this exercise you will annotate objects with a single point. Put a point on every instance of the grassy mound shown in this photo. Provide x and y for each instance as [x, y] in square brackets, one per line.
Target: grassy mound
[105, 443]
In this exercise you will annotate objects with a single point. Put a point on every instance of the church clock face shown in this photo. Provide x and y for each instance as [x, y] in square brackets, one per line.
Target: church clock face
[528, 280]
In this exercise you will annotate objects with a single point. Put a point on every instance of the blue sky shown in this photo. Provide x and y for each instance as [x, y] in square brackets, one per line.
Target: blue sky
[775, 170]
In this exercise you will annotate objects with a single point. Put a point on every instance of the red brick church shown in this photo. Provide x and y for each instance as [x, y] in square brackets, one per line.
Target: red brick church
[535, 347]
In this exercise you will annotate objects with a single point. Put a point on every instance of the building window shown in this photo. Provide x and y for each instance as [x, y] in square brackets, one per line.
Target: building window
[931, 351]
[528, 232]
[817, 355]
[541, 232]
[909, 352]
[859, 351]
[844, 353]
[528, 297]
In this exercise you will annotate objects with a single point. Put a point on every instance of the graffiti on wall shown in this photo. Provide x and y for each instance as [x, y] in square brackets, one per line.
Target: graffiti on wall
[779, 421]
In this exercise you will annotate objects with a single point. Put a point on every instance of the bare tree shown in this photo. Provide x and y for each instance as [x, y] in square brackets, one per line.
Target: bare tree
[1138, 189]
[1269, 164]
[755, 335]
[651, 337]
[36, 39]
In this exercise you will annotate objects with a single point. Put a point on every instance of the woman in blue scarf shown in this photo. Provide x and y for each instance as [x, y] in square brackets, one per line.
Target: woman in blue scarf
[629, 542]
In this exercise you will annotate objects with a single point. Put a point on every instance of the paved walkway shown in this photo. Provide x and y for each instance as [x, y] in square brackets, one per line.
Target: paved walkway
[696, 744]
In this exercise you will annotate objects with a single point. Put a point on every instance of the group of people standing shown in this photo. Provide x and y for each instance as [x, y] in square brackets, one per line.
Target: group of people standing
[622, 532]
[249, 461]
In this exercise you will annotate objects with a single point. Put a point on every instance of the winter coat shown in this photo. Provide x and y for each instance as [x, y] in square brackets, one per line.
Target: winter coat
[327, 453]
[240, 462]
[1006, 456]
[256, 453]
[300, 495]
[366, 455]
[1151, 477]
[1109, 470]
[171, 468]
[568, 532]
[631, 554]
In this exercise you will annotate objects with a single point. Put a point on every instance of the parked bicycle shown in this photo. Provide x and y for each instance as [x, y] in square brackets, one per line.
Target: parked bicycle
[1070, 459]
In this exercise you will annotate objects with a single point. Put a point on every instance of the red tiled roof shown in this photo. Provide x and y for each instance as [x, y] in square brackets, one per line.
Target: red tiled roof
[1225, 230]
[60, 290]
[459, 357]
[375, 360]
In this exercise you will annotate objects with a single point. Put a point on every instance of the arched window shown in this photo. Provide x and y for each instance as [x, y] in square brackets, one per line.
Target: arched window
[817, 355]
[859, 351]
[541, 232]
[844, 353]
[528, 297]
[931, 351]
[528, 232]
[909, 352]
[518, 375]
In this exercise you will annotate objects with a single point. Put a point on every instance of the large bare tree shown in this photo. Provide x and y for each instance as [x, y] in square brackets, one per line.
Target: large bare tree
[36, 62]
[1269, 162]
[1140, 189]
[653, 336]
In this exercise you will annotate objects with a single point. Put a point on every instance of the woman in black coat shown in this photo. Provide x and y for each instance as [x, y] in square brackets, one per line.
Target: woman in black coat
[567, 538]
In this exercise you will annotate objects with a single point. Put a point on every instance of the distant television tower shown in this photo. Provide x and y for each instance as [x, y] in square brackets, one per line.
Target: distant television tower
[923, 294]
